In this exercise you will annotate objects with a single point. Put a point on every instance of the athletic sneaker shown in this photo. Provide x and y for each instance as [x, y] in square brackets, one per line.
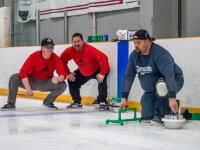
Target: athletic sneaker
[96, 104]
[8, 106]
[157, 121]
[50, 105]
[103, 106]
[74, 106]
[146, 120]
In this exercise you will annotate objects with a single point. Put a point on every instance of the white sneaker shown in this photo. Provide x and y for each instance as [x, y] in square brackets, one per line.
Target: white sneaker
[103, 106]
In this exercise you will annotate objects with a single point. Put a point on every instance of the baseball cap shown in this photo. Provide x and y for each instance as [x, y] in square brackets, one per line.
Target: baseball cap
[47, 41]
[142, 35]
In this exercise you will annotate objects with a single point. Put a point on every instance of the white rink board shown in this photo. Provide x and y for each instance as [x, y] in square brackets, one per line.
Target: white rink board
[12, 58]
[185, 52]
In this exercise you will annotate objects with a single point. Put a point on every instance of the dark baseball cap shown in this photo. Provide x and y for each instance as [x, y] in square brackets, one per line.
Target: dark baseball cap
[47, 41]
[142, 35]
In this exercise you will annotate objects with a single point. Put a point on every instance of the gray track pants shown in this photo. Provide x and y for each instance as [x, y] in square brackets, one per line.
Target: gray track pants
[39, 85]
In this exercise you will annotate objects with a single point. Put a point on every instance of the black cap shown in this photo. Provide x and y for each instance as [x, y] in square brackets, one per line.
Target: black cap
[47, 41]
[142, 35]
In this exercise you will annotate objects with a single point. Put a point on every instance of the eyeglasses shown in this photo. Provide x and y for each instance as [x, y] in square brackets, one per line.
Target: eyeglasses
[49, 47]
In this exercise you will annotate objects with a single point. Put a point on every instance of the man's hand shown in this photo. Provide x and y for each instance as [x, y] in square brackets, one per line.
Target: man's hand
[27, 86]
[71, 77]
[123, 102]
[29, 92]
[57, 79]
[173, 105]
[100, 78]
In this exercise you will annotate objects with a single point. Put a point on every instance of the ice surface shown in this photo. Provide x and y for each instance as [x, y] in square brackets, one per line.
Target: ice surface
[33, 127]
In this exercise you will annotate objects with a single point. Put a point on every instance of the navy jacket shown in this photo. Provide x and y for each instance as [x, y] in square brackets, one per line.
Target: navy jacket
[159, 63]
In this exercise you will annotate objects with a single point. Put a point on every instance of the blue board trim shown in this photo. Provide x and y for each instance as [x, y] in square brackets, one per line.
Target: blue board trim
[122, 61]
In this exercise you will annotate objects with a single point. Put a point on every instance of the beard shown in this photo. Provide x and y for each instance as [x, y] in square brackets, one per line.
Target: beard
[138, 51]
[78, 48]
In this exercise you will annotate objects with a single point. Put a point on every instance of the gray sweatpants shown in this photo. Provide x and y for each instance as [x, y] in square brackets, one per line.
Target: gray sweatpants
[39, 85]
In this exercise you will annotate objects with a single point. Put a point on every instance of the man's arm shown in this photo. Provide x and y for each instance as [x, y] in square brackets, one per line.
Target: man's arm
[128, 80]
[65, 58]
[166, 66]
[60, 71]
[27, 86]
[24, 71]
[102, 59]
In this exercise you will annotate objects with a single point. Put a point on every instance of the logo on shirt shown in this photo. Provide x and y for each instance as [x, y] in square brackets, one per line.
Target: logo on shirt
[45, 69]
[143, 70]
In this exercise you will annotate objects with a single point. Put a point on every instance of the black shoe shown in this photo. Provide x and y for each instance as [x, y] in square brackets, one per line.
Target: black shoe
[103, 106]
[157, 121]
[8, 106]
[50, 105]
[95, 102]
[74, 106]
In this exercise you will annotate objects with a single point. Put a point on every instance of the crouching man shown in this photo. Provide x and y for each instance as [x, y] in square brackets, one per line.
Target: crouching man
[37, 74]
[160, 77]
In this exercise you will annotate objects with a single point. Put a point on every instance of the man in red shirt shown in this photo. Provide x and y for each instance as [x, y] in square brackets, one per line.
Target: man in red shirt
[92, 64]
[37, 74]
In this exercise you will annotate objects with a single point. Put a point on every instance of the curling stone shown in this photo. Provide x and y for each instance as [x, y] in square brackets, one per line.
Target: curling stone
[173, 121]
